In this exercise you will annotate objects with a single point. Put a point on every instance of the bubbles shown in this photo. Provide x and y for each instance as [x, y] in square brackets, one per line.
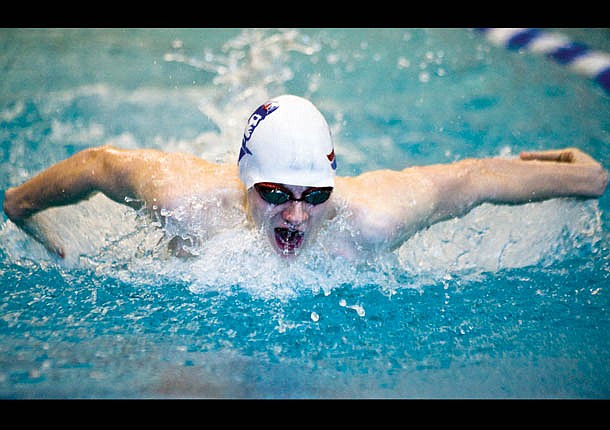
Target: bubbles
[254, 57]
[403, 63]
[424, 76]
[359, 309]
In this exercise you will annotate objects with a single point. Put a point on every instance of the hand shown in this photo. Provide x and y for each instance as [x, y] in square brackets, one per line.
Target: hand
[590, 175]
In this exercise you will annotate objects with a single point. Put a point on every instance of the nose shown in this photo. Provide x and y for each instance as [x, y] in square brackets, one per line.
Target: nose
[295, 214]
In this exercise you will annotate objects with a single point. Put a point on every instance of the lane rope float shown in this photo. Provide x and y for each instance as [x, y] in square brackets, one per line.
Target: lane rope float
[578, 57]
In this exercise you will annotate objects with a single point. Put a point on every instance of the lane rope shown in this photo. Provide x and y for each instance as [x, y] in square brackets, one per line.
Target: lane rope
[578, 57]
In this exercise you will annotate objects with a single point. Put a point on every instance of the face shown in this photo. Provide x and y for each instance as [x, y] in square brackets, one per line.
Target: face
[288, 214]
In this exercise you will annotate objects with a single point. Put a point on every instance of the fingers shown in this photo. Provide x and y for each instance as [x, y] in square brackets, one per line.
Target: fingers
[55, 250]
[561, 156]
[60, 252]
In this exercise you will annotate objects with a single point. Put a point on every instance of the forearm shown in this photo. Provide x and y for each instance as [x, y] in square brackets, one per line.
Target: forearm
[66, 182]
[459, 187]
[517, 181]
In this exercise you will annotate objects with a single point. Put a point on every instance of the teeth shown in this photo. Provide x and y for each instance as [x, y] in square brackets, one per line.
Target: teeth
[288, 239]
[288, 235]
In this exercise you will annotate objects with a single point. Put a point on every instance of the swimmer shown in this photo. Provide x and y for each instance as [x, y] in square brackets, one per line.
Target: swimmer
[284, 182]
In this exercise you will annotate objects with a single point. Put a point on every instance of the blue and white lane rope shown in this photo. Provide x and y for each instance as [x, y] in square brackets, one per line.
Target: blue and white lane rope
[576, 56]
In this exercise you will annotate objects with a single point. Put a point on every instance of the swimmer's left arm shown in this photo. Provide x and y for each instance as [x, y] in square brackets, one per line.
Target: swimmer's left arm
[536, 176]
[389, 206]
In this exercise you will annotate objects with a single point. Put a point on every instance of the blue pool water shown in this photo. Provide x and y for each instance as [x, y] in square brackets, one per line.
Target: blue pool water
[506, 302]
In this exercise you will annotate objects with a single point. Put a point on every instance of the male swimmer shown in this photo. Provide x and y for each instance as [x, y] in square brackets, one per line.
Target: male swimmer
[285, 184]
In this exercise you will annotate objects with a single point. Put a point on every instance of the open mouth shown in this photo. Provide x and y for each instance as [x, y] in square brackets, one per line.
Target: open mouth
[288, 239]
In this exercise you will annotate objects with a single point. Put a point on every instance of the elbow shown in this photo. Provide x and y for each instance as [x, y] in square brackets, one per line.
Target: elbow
[93, 166]
[602, 183]
[8, 205]
[384, 231]
[594, 183]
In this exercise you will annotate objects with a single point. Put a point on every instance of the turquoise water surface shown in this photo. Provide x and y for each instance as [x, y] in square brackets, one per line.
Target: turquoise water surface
[506, 302]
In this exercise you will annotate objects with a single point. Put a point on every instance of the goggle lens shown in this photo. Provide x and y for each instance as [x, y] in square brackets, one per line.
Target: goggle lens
[277, 195]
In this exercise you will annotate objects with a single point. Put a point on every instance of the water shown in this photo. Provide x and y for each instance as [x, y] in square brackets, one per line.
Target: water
[506, 302]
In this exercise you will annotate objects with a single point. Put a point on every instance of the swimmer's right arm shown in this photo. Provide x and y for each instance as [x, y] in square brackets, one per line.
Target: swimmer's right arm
[138, 178]
[101, 169]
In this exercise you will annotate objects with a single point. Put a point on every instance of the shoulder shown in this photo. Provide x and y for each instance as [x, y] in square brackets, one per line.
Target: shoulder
[380, 187]
[168, 168]
[384, 207]
[173, 177]
[183, 177]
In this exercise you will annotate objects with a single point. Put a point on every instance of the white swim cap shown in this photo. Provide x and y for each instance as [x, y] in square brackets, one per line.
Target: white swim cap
[287, 141]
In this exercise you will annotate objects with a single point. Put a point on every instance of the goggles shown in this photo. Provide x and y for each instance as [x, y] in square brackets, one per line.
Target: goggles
[277, 194]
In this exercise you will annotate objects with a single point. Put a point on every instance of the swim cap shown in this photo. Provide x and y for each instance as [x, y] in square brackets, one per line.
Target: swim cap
[287, 141]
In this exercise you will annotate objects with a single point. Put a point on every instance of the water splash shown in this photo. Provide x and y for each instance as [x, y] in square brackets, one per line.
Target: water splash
[248, 70]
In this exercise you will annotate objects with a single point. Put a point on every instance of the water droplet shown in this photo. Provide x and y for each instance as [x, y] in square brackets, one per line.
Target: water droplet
[424, 77]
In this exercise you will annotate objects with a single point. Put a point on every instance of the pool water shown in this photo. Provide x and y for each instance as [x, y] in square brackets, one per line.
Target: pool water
[505, 302]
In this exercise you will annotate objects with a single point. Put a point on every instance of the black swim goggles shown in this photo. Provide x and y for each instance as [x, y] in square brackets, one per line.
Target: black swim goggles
[276, 194]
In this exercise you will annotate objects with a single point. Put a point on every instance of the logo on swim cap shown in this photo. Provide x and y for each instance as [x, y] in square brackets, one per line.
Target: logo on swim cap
[257, 116]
